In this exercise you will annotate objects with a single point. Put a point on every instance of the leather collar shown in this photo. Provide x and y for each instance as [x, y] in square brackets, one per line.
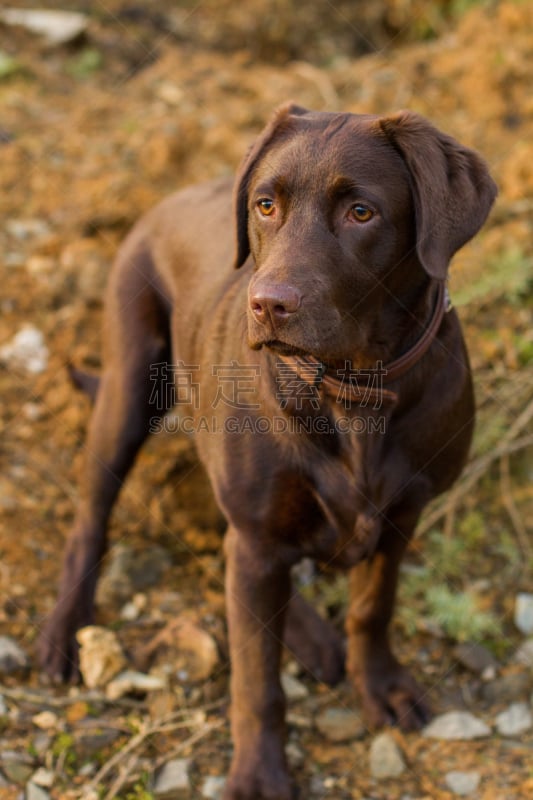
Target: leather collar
[365, 386]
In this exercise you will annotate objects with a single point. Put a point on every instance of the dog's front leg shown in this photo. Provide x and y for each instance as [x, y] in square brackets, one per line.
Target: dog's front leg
[257, 592]
[388, 692]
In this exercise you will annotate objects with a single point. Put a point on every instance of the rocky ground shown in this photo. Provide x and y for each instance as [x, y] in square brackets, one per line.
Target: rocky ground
[93, 132]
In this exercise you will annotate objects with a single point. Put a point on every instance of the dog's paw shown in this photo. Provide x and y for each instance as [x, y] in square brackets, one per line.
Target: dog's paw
[259, 786]
[57, 654]
[391, 696]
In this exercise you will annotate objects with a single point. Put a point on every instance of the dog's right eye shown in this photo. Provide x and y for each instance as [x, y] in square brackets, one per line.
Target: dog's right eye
[361, 213]
[265, 206]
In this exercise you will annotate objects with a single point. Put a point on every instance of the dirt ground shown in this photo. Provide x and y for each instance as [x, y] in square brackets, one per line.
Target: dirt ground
[93, 133]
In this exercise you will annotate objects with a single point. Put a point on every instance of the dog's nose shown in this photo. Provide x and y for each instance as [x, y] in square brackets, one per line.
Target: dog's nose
[276, 303]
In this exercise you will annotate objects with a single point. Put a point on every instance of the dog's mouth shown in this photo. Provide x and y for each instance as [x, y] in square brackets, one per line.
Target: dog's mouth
[283, 349]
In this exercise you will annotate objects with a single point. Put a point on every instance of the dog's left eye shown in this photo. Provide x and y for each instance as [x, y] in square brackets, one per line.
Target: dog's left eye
[265, 206]
[361, 213]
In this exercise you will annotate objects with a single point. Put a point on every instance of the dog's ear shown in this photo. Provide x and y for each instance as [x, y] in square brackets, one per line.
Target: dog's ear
[279, 123]
[452, 188]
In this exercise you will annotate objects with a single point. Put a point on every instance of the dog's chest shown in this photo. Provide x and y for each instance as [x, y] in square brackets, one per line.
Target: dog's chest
[350, 485]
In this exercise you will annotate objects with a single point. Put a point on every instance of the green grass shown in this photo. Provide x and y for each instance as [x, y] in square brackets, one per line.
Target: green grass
[508, 275]
[458, 614]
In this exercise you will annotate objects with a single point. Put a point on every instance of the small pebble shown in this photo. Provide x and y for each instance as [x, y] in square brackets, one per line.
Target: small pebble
[101, 656]
[26, 350]
[172, 780]
[134, 608]
[507, 689]
[32, 411]
[456, 725]
[88, 769]
[12, 656]
[43, 777]
[475, 657]
[301, 721]
[45, 720]
[41, 743]
[213, 788]
[55, 26]
[524, 654]
[16, 766]
[131, 681]
[488, 674]
[34, 792]
[515, 720]
[317, 787]
[462, 783]
[340, 725]
[295, 755]
[294, 689]
[386, 759]
[523, 613]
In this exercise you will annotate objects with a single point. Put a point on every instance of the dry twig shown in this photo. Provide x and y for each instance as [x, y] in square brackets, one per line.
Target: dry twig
[162, 725]
[471, 475]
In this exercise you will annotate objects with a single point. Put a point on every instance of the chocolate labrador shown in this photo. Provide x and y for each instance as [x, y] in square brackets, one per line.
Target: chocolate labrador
[325, 375]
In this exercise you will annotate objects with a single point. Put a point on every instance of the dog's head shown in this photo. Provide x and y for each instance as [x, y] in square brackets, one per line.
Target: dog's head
[339, 212]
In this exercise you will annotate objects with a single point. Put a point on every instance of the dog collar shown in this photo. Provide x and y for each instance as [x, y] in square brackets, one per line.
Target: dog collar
[365, 386]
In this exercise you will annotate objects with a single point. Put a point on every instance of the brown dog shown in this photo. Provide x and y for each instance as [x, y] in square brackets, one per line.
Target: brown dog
[334, 398]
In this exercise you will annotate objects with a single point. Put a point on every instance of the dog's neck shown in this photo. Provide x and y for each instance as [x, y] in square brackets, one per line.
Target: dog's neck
[367, 385]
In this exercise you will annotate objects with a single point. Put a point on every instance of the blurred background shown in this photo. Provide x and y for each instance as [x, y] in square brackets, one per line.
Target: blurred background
[102, 114]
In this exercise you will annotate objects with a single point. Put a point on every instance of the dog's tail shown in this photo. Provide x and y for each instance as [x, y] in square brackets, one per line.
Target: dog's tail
[88, 382]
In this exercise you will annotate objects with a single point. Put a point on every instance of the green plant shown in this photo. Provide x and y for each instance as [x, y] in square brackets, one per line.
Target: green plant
[8, 66]
[85, 64]
[459, 615]
[139, 790]
[508, 274]
[63, 746]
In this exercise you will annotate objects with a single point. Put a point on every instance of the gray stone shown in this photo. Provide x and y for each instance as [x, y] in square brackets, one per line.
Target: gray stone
[17, 767]
[474, 657]
[12, 657]
[148, 567]
[514, 720]
[3, 706]
[508, 688]
[101, 655]
[524, 654]
[43, 777]
[300, 721]
[172, 780]
[27, 229]
[456, 725]
[45, 720]
[295, 755]
[88, 769]
[462, 783]
[488, 674]
[128, 571]
[213, 787]
[91, 742]
[41, 743]
[133, 609]
[386, 759]
[523, 613]
[317, 787]
[340, 725]
[34, 792]
[294, 689]
[132, 681]
[26, 350]
[56, 27]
